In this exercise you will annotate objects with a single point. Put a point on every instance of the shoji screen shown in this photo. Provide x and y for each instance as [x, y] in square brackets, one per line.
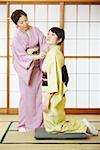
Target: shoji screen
[82, 26]
[3, 57]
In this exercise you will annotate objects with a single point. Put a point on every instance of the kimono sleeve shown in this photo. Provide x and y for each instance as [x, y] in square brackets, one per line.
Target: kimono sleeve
[18, 49]
[52, 77]
[42, 40]
[55, 82]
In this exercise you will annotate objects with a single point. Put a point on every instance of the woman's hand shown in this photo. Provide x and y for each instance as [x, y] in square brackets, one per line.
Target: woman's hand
[38, 56]
[42, 55]
[31, 51]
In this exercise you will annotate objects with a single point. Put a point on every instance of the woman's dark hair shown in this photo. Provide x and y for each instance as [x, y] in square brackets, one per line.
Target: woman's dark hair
[16, 15]
[59, 32]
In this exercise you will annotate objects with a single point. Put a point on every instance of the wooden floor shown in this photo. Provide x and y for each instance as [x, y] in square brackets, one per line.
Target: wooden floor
[11, 139]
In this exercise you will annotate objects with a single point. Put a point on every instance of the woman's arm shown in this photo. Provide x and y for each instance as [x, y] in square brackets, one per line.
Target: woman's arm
[20, 56]
[42, 41]
[34, 53]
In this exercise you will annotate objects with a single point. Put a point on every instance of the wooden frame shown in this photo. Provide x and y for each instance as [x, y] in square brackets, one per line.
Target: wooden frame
[91, 111]
[52, 1]
[8, 59]
[9, 110]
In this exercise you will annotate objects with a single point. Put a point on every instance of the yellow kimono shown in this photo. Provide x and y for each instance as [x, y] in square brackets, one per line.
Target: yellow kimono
[55, 120]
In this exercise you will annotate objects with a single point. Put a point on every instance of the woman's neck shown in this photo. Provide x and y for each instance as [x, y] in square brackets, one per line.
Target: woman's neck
[24, 30]
[52, 46]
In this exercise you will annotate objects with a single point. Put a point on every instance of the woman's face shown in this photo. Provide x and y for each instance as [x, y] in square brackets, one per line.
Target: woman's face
[52, 38]
[23, 23]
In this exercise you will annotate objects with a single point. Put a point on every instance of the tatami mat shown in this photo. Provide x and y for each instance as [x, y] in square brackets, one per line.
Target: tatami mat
[40, 147]
[15, 117]
[14, 126]
[90, 146]
[3, 128]
[13, 136]
[50, 147]
[8, 117]
[16, 137]
[14, 140]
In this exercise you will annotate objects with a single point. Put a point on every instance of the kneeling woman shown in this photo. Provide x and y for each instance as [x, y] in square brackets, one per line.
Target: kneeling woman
[53, 90]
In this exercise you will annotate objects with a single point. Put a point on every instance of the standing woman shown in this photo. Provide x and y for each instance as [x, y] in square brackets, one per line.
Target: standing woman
[28, 68]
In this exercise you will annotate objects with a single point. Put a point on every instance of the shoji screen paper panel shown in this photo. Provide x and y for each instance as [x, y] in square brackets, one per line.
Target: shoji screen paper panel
[3, 57]
[82, 27]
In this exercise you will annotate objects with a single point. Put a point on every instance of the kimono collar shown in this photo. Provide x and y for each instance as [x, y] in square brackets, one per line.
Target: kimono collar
[55, 47]
[52, 50]
[24, 31]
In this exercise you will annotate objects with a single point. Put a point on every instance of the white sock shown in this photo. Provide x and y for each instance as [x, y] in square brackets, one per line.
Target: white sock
[22, 129]
[91, 128]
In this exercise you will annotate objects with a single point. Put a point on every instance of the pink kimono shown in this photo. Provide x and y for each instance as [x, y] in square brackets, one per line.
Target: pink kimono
[29, 73]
